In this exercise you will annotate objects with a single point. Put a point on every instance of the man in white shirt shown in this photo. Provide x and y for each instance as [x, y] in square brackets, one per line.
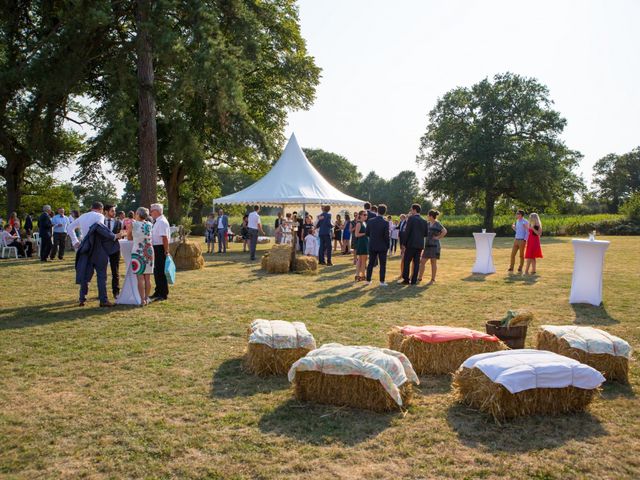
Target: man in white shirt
[84, 222]
[60, 222]
[160, 234]
[254, 225]
[223, 225]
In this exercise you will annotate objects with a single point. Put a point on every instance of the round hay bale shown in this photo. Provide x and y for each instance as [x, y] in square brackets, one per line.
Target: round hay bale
[348, 390]
[187, 256]
[613, 367]
[264, 261]
[438, 358]
[475, 389]
[261, 359]
[306, 265]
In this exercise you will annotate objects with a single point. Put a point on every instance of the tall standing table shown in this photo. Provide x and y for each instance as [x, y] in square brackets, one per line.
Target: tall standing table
[129, 294]
[588, 265]
[484, 255]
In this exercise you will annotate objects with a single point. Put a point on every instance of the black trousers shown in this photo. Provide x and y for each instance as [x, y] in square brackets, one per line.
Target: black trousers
[114, 263]
[374, 259]
[59, 241]
[45, 246]
[18, 246]
[162, 286]
[411, 255]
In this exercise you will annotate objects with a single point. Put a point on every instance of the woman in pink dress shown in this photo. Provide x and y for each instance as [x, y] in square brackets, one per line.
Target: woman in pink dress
[533, 249]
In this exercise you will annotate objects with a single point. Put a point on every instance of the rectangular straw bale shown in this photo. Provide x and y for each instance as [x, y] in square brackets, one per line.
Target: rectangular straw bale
[348, 390]
[475, 389]
[306, 265]
[613, 367]
[438, 358]
[261, 359]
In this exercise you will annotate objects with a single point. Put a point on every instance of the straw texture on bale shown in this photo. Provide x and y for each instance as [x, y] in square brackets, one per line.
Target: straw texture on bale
[474, 388]
[348, 390]
[306, 265]
[187, 256]
[279, 260]
[613, 367]
[264, 261]
[438, 358]
[261, 359]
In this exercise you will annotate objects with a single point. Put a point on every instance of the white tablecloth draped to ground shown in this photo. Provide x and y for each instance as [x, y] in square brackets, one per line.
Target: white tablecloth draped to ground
[129, 292]
[484, 255]
[586, 285]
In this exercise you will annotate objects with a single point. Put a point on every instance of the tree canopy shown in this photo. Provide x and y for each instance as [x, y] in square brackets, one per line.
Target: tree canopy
[617, 177]
[496, 139]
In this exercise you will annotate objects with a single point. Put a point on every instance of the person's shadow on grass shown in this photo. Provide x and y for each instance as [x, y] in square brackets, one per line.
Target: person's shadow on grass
[325, 424]
[592, 315]
[230, 380]
[523, 434]
[36, 315]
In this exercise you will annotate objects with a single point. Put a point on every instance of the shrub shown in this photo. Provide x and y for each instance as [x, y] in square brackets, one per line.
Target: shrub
[631, 208]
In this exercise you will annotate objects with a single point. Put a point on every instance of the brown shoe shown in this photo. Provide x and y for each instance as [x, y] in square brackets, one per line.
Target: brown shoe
[82, 304]
[107, 304]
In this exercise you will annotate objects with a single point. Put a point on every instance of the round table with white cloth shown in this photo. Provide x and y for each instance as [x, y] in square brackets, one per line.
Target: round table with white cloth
[484, 255]
[588, 265]
[129, 294]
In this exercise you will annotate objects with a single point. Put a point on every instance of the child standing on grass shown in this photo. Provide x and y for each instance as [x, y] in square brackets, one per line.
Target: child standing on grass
[534, 250]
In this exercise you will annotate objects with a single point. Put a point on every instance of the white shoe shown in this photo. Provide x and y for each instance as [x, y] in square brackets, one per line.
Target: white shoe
[384, 284]
[368, 283]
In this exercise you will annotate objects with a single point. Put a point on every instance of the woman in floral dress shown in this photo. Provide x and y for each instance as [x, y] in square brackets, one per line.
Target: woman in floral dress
[142, 253]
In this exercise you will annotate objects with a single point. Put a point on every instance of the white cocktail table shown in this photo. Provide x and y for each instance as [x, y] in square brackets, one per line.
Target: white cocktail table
[484, 255]
[129, 293]
[586, 285]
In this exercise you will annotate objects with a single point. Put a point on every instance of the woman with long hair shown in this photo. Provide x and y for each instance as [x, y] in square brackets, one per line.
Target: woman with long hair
[362, 246]
[142, 256]
[337, 233]
[346, 234]
[533, 249]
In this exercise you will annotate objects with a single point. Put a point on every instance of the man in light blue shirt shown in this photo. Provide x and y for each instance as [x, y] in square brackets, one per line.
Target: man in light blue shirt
[521, 227]
[60, 222]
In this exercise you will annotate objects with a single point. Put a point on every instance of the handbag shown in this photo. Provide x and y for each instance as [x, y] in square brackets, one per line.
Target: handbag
[170, 270]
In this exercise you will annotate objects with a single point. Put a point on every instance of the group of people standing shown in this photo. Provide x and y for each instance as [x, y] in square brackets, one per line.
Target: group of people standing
[217, 228]
[526, 242]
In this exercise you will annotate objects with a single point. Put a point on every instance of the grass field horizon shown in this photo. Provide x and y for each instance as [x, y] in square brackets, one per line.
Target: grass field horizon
[159, 392]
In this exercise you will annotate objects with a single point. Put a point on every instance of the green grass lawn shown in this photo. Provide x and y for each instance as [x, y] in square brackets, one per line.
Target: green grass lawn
[159, 392]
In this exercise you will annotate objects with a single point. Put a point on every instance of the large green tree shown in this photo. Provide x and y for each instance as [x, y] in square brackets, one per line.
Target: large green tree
[617, 177]
[49, 52]
[225, 75]
[496, 139]
[336, 169]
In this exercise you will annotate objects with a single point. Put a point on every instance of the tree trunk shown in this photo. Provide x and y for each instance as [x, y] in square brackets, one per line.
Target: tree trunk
[14, 177]
[489, 211]
[147, 135]
[172, 183]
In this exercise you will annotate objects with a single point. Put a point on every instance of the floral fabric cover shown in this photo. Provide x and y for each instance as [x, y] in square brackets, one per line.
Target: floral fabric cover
[280, 334]
[439, 334]
[590, 340]
[392, 369]
[519, 370]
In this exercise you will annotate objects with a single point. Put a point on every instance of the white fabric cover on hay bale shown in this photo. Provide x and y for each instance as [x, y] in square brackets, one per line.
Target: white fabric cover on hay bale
[606, 353]
[440, 350]
[362, 377]
[274, 345]
[513, 383]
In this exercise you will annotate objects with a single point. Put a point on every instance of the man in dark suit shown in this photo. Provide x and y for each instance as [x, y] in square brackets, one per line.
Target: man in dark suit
[325, 228]
[28, 224]
[114, 225]
[222, 226]
[370, 212]
[44, 229]
[378, 233]
[415, 234]
[97, 246]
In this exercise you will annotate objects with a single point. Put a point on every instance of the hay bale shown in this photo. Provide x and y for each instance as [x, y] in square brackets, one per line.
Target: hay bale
[187, 255]
[613, 367]
[475, 389]
[273, 346]
[438, 358]
[306, 265]
[348, 390]
[279, 260]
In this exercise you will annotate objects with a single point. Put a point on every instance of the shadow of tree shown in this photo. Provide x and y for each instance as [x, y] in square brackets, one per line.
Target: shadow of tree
[476, 277]
[591, 315]
[521, 278]
[612, 390]
[325, 424]
[35, 315]
[524, 434]
[231, 381]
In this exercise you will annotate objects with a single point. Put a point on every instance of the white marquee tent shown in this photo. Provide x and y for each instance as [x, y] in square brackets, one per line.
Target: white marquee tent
[291, 181]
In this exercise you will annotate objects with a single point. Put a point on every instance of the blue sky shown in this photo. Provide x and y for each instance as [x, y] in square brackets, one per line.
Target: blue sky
[385, 63]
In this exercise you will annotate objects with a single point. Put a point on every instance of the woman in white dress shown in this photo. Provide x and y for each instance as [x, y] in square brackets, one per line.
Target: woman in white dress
[142, 253]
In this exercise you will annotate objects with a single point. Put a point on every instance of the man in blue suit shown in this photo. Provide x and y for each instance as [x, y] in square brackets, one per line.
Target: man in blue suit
[378, 233]
[415, 233]
[222, 225]
[93, 254]
[325, 228]
[44, 229]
